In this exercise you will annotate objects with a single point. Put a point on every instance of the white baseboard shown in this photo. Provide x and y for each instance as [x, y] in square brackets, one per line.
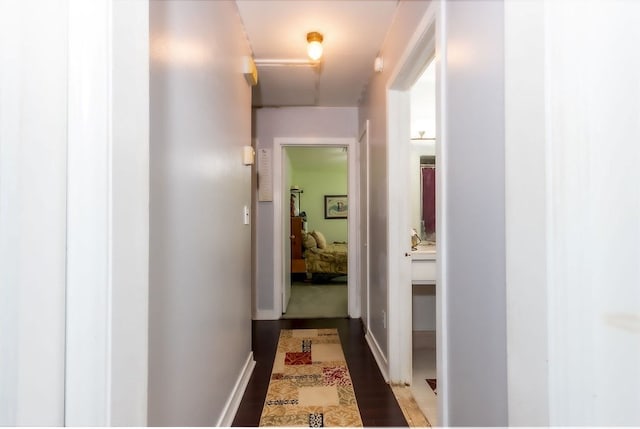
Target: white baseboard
[231, 407]
[378, 355]
[266, 315]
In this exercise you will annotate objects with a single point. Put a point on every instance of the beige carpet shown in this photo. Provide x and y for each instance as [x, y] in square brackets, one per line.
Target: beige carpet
[310, 301]
[310, 383]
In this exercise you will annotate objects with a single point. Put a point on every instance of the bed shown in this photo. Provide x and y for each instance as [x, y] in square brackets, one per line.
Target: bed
[330, 260]
[324, 258]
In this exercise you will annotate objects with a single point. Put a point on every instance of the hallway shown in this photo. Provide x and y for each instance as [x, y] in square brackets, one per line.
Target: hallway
[378, 406]
[138, 235]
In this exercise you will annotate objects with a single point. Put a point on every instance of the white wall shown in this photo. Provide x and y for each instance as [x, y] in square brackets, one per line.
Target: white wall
[74, 245]
[374, 108]
[423, 104]
[595, 204]
[130, 213]
[424, 308]
[473, 174]
[587, 208]
[33, 137]
[289, 122]
[200, 302]
[526, 214]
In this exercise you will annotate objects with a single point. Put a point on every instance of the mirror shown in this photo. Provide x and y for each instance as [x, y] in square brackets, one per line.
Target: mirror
[423, 155]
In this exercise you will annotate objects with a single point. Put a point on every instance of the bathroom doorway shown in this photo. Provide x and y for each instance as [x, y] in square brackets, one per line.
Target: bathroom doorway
[422, 169]
[417, 310]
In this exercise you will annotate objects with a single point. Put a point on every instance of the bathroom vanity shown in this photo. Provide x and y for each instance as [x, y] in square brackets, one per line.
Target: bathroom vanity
[423, 264]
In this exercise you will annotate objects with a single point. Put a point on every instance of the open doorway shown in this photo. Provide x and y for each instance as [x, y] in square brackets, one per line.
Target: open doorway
[317, 179]
[282, 218]
[417, 314]
[422, 170]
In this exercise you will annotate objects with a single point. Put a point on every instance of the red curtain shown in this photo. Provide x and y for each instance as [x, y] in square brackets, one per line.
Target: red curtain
[429, 199]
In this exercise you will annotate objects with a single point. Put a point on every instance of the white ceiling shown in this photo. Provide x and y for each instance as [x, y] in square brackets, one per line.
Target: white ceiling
[353, 31]
[317, 158]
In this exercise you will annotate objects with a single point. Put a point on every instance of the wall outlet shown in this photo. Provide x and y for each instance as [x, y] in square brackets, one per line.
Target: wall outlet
[384, 319]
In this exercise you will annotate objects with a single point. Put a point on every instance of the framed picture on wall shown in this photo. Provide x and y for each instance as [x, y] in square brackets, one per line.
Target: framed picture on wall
[335, 207]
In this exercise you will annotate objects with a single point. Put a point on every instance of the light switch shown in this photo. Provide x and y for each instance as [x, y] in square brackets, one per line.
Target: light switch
[248, 155]
[246, 215]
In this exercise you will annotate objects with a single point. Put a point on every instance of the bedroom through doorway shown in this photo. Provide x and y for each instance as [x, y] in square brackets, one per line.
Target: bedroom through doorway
[317, 179]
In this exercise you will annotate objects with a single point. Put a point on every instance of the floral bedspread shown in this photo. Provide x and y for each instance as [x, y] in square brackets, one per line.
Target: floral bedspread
[331, 260]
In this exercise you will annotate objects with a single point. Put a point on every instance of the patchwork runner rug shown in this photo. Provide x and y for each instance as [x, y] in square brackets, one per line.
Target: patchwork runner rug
[310, 382]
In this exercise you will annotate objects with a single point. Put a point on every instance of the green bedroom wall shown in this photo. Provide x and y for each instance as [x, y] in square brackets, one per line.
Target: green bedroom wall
[316, 183]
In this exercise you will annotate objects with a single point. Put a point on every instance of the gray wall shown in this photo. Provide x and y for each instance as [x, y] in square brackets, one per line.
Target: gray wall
[475, 182]
[200, 284]
[374, 107]
[305, 122]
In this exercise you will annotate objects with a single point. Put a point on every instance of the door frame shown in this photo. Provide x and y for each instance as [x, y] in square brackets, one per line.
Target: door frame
[364, 226]
[425, 45]
[107, 278]
[280, 221]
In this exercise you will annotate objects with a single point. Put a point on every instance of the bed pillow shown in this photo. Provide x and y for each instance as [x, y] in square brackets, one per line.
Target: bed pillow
[322, 242]
[308, 241]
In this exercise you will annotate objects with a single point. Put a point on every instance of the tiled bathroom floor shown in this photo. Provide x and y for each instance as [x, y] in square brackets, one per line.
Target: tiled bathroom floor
[424, 366]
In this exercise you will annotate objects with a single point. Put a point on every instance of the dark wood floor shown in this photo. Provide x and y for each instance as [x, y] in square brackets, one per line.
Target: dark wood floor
[378, 406]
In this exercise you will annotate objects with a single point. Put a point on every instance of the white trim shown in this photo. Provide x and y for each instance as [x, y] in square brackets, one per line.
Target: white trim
[399, 303]
[427, 41]
[378, 355]
[353, 193]
[107, 214]
[130, 214]
[279, 218]
[266, 315]
[89, 317]
[363, 242]
[233, 402]
[278, 229]
[526, 219]
[255, 312]
[442, 283]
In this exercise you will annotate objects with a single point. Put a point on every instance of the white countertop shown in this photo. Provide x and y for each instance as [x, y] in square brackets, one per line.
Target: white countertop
[425, 251]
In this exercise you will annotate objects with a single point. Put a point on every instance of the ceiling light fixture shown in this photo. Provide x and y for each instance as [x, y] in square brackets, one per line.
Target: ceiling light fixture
[285, 62]
[314, 47]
